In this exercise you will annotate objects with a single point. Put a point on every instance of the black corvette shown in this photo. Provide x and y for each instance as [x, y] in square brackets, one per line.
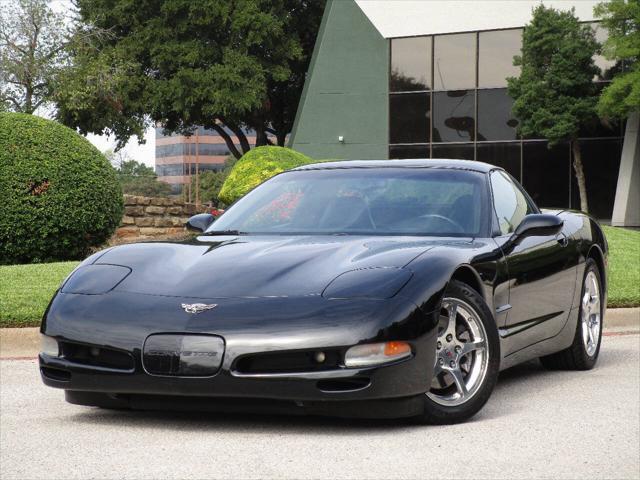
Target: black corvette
[360, 288]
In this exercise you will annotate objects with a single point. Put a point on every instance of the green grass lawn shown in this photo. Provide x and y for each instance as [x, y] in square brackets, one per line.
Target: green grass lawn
[25, 290]
[624, 267]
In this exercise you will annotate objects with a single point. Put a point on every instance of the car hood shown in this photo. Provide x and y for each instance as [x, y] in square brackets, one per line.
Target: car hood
[257, 266]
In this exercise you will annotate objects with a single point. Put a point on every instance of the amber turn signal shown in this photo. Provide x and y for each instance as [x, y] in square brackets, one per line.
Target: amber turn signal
[376, 354]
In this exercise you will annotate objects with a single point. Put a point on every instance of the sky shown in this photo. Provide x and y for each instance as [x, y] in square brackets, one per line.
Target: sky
[142, 153]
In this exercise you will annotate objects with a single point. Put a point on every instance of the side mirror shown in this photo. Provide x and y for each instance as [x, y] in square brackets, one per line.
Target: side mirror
[200, 222]
[537, 225]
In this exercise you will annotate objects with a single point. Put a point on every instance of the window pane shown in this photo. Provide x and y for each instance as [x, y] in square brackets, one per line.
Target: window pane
[453, 116]
[398, 201]
[504, 155]
[495, 57]
[545, 174]
[410, 64]
[171, 169]
[409, 117]
[455, 61]
[495, 120]
[448, 150]
[510, 204]
[601, 163]
[408, 151]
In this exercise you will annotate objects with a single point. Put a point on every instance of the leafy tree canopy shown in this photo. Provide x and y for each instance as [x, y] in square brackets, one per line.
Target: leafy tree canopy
[184, 63]
[555, 93]
[136, 178]
[622, 20]
[211, 183]
[32, 49]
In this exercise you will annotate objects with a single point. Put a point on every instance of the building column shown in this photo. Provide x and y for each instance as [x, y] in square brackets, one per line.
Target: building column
[626, 208]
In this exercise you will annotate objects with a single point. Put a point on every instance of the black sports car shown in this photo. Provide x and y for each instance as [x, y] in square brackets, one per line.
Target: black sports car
[358, 288]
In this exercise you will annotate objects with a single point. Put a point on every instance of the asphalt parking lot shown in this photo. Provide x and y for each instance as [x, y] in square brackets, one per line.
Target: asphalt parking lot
[538, 424]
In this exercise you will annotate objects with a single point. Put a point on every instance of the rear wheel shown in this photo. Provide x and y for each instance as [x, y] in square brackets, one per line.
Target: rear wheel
[467, 357]
[583, 352]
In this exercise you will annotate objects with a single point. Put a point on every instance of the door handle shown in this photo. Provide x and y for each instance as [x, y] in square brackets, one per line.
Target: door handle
[562, 240]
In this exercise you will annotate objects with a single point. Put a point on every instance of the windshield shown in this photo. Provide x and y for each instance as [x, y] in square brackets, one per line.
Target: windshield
[370, 201]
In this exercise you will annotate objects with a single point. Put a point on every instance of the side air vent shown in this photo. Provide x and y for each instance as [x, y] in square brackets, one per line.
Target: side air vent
[56, 374]
[294, 361]
[96, 356]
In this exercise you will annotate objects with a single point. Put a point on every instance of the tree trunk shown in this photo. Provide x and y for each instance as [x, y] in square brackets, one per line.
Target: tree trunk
[242, 138]
[228, 140]
[577, 166]
[261, 137]
[281, 138]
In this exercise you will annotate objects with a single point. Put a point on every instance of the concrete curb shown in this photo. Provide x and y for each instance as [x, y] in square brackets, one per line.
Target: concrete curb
[25, 342]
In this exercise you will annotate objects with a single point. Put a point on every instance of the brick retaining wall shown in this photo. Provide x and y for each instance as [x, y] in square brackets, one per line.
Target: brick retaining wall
[155, 217]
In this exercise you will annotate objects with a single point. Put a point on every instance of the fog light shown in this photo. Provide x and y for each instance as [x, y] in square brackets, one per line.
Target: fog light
[376, 354]
[49, 346]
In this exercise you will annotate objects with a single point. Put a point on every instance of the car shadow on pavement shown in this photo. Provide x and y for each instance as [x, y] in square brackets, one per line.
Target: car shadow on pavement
[519, 381]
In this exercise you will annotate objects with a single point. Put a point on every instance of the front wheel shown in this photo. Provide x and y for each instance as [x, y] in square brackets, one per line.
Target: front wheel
[467, 357]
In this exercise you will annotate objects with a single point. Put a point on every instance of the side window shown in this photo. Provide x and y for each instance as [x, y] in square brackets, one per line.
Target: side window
[510, 204]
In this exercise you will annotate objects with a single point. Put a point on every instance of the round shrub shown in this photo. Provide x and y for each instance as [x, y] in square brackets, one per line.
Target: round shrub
[59, 196]
[256, 166]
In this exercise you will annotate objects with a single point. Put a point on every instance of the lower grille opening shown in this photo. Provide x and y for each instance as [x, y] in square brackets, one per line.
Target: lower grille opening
[96, 356]
[343, 385]
[289, 362]
[56, 374]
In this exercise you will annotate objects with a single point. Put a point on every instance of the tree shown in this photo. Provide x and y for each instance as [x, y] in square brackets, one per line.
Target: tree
[555, 94]
[238, 64]
[211, 183]
[32, 48]
[136, 178]
[622, 20]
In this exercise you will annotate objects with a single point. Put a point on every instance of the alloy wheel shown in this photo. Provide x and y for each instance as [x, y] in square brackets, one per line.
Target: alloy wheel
[462, 354]
[591, 314]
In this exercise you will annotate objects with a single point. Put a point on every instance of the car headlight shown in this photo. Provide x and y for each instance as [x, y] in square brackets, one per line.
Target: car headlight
[368, 283]
[49, 346]
[376, 353]
[95, 279]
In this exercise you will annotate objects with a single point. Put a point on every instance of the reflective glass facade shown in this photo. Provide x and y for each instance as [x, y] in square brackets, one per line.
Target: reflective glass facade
[448, 98]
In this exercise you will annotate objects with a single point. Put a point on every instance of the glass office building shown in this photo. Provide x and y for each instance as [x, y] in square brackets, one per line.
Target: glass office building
[177, 157]
[448, 99]
[394, 80]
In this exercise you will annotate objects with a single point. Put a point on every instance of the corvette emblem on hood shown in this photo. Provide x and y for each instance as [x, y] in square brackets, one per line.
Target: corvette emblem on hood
[197, 307]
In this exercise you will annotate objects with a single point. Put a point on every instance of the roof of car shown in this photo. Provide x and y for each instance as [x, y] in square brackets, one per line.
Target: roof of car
[413, 163]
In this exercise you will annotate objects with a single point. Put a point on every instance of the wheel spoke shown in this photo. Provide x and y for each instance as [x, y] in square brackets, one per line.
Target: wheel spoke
[590, 332]
[471, 346]
[452, 312]
[594, 333]
[460, 385]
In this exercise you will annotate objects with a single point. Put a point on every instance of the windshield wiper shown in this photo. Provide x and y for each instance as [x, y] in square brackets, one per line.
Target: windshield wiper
[224, 232]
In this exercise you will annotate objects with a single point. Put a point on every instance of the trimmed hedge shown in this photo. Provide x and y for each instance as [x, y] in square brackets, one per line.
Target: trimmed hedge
[258, 165]
[59, 196]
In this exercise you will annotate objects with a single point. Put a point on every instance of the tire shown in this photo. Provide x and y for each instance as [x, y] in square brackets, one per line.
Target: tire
[462, 384]
[582, 354]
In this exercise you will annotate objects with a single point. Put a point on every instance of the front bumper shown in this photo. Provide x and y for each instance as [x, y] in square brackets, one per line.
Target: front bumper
[123, 321]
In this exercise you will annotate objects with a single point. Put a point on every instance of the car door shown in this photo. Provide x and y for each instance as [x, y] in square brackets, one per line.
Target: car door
[540, 271]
